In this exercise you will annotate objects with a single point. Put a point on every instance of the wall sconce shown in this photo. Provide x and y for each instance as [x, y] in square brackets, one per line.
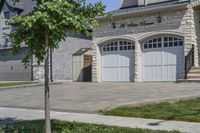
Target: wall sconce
[113, 25]
[159, 19]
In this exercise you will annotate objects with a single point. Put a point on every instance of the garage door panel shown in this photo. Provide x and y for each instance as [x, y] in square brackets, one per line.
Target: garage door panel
[126, 59]
[169, 73]
[149, 60]
[156, 73]
[152, 73]
[170, 56]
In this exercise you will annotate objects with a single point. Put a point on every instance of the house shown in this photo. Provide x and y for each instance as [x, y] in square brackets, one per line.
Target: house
[148, 40]
[145, 40]
[11, 67]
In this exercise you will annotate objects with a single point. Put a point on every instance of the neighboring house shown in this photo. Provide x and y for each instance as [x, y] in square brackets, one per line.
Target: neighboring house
[148, 40]
[11, 67]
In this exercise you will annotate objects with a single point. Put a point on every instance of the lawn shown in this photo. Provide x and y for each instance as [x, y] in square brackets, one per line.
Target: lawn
[187, 110]
[15, 84]
[37, 126]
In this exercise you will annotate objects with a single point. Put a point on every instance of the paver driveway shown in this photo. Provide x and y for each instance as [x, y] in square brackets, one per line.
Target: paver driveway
[91, 97]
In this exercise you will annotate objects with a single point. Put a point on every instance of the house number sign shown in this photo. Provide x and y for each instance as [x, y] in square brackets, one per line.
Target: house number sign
[142, 23]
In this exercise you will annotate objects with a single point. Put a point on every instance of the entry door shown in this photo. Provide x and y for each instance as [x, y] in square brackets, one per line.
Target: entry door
[163, 59]
[118, 61]
[87, 68]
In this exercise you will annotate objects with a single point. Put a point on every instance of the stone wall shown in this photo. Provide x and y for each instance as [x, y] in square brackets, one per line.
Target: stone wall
[197, 30]
[140, 27]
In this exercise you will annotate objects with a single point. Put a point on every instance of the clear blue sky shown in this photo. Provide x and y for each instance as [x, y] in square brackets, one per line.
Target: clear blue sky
[110, 4]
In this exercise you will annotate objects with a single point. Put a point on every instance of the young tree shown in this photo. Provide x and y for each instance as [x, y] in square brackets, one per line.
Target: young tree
[47, 25]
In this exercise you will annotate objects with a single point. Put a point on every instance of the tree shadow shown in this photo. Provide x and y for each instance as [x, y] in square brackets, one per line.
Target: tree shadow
[8, 121]
[156, 123]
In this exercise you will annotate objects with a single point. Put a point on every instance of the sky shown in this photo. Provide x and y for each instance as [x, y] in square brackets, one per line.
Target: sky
[110, 4]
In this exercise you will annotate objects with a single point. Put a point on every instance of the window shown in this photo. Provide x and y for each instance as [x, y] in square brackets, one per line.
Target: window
[173, 42]
[154, 43]
[7, 15]
[150, 45]
[159, 45]
[124, 45]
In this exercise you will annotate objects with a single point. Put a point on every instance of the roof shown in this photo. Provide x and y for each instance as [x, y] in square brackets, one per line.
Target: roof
[147, 9]
[25, 6]
[81, 51]
[155, 2]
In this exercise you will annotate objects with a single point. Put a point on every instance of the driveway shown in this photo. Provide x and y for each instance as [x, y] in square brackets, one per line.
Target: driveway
[92, 97]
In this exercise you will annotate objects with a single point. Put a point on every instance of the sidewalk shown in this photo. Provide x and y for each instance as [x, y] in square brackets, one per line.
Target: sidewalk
[26, 114]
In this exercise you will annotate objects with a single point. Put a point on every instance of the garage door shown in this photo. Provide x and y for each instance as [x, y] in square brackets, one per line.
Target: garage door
[118, 61]
[14, 71]
[11, 67]
[163, 59]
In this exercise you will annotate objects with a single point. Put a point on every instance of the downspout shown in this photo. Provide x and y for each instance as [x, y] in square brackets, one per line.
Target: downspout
[51, 66]
[32, 69]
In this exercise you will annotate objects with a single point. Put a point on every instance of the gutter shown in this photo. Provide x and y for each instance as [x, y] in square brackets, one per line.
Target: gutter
[139, 11]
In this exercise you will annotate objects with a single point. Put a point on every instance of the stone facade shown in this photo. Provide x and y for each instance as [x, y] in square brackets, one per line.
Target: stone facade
[138, 24]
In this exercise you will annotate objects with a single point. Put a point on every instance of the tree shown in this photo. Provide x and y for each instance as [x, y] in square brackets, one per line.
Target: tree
[48, 24]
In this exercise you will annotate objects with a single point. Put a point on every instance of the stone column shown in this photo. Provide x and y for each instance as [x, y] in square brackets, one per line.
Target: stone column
[138, 62]
[94, 62]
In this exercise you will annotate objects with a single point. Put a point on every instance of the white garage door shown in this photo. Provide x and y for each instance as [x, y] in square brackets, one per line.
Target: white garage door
[118, 61]
[163, 59]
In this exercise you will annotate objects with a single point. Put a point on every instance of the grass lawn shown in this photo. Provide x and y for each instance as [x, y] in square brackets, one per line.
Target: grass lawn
[16, 84]
[69, 127]
[187, 110]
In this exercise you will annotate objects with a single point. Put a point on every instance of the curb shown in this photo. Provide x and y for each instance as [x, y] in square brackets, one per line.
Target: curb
[139, 104]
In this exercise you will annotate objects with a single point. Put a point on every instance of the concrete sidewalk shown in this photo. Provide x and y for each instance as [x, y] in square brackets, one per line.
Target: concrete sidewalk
[8, 115]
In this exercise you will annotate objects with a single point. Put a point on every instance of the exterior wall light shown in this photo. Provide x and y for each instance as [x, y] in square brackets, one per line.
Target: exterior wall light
[159, 19]
[113, 25]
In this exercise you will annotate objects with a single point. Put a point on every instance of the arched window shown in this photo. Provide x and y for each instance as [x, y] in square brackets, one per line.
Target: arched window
[160, 42]
[121, 45]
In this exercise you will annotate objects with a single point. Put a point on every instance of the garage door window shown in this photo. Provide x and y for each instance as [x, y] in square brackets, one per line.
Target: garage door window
[167, 42]
[110, 47]
[154, 43]
[118, 45]
[124, 45]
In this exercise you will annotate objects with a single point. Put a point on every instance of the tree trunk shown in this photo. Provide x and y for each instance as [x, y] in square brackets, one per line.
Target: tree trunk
[47, 93]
